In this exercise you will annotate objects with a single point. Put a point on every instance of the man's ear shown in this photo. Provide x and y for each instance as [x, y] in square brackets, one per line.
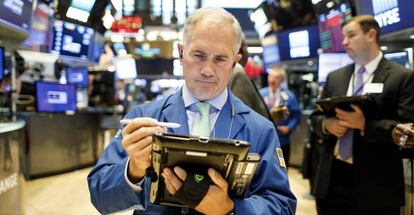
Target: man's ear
[237, 59]
[180, 48]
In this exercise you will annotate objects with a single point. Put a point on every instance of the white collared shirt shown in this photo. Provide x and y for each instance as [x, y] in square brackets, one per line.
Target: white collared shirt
[193, 116]
[367, 78]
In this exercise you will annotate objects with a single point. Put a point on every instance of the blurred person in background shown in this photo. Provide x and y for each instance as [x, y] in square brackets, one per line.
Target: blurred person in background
[280, 99]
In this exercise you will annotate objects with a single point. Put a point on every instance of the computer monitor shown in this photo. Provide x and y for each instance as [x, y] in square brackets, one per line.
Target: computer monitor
[78, 77]
[330, 20]
[72, 40]
[329, 62]
[54, 97]
[399, 57]
[16, 14]
[1, 63]
[299, 43]
[126, 68]
[271, 55]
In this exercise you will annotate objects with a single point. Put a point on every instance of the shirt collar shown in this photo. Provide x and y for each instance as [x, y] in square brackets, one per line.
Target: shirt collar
[217, 102]
[371, 66]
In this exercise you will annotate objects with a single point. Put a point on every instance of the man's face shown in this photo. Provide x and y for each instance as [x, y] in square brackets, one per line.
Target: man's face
[274, 80]
[207, 60]
[356, 42]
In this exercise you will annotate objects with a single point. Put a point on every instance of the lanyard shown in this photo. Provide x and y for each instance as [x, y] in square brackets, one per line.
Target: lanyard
[362, 86]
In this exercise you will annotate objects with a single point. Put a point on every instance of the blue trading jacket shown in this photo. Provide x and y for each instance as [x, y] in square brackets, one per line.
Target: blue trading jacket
[293, 106]
[269, 191]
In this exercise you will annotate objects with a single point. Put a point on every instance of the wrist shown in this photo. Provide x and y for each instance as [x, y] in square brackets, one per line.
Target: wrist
[135, 174]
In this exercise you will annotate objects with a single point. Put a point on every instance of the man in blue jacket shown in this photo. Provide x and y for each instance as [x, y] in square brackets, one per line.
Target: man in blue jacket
[212, 39]
[276, 96]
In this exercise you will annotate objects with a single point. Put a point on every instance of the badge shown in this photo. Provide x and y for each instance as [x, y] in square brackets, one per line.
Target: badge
[373, 88]
[284, 95]
[279, 154]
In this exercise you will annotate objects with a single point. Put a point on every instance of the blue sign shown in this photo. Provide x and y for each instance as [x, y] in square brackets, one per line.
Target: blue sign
[391, 15]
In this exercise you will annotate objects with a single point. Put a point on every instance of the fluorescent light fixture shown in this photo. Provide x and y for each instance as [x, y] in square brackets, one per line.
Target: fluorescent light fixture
[255, 50]
[315, 1]
[330, 4]
[412, 36]
[384, 48]
[77, 14]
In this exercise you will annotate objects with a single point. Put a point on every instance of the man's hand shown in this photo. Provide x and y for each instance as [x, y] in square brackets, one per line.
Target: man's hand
[279, 113]
[216, 201]
[283, 129]
[398, 132]
[335, 126]
[137, 142]
[353, 119]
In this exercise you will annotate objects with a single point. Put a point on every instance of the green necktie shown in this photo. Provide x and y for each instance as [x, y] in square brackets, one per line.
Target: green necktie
[202, 127]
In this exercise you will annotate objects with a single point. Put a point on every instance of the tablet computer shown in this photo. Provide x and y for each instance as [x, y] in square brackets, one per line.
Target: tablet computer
[328, 105]
[228, 156]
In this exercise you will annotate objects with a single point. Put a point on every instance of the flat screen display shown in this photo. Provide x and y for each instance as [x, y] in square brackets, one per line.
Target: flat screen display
[391, 15]
[16, 14]
[329, 62]
[78, 77]
[98, 47]
[41, 32]
[72, 40]
[1, 63]
[330, 27]
[54, 97]
[158, 67]
[271, 54]
[126, 68]
[299, 43]
[85, 5]
[401, 58]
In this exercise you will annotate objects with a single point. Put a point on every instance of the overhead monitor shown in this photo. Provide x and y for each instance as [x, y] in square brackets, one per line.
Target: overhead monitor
[298, 44]
[391, 15]
[98, 47]
[54, 97]
[78, 77]
[155, 67]
[85, 5]
[271, 54]
[41, 32]
[330, 25]
[125, 68]
[72, 40]
[16, 14]
[329, 62]
[399, 57]
[261, 22]
[1, 63]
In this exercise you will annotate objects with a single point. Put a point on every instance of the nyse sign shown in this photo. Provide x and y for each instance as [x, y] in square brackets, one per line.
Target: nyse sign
[388, 17]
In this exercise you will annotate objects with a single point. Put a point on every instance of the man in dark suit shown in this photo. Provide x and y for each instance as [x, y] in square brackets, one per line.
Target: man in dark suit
[359, 171]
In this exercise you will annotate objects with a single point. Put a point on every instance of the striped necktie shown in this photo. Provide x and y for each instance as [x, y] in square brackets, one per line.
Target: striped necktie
[202, 127]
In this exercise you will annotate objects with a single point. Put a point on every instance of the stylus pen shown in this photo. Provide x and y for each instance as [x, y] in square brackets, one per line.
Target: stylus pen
[162, 124]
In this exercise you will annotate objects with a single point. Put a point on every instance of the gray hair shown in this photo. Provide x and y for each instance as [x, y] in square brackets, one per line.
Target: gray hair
[278, 70]
[218, 16]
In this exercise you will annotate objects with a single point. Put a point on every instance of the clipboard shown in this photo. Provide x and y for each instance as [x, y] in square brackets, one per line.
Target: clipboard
[228, 156]
[327, 106]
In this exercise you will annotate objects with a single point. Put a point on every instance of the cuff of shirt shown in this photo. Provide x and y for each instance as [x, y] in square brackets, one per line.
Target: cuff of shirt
[135, 187]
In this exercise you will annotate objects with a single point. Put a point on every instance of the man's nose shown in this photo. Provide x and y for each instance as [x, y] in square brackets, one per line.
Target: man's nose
[208, 68]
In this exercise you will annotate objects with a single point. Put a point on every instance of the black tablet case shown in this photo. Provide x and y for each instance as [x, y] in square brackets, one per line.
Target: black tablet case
[227, 156]
[327, 106]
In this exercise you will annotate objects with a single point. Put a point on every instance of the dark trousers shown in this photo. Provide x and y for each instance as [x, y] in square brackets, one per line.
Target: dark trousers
[341, 199]
[286, 153]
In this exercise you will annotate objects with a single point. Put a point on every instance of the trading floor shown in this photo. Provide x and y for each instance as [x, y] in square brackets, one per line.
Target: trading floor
[68, 194]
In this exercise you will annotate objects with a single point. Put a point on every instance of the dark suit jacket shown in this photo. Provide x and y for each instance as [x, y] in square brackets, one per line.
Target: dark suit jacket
[378, 172]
